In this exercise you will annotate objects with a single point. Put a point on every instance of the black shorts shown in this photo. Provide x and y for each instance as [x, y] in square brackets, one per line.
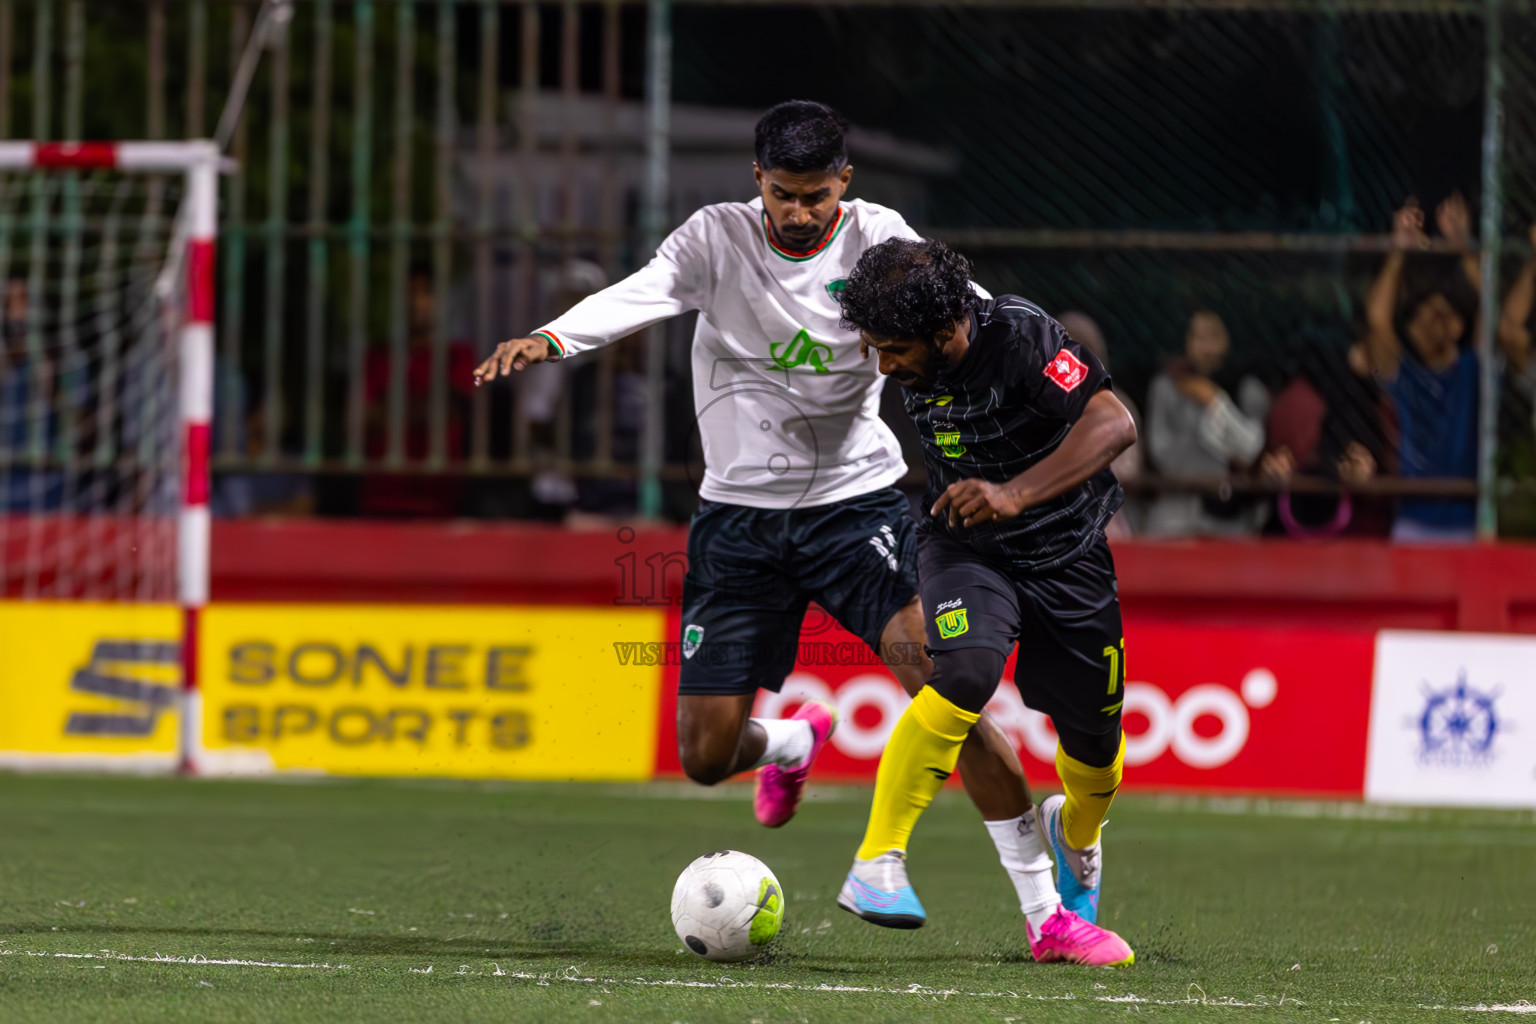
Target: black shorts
[753, 571]
[1066, 622]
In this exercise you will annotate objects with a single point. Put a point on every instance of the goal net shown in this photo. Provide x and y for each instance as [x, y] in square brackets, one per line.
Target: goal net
[106, 255]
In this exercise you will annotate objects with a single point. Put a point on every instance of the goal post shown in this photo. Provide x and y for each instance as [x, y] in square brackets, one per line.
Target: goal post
[106, 395]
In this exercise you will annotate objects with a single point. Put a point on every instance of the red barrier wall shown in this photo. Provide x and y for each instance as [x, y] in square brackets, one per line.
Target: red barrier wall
[1342, 584]
[1250, 664]
[1211, 709]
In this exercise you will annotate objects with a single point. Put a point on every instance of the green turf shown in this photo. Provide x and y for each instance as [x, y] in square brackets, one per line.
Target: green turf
[441, 901]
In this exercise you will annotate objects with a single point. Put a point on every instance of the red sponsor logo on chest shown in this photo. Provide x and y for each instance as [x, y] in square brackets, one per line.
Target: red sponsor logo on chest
[1066, 370]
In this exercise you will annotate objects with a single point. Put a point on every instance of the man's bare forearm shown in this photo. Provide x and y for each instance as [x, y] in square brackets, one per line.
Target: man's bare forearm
[1104, 431]
[1514, 335]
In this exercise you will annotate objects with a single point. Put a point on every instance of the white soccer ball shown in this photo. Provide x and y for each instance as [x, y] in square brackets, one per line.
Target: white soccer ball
[727, 906]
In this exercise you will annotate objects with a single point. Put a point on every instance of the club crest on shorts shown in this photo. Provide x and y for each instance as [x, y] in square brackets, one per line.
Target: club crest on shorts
[952, 623]
[692, 637]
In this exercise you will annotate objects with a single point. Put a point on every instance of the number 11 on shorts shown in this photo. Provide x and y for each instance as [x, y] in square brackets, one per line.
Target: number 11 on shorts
[1116, 656]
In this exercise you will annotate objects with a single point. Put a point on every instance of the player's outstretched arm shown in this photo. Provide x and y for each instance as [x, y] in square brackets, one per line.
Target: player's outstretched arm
[673, 282]
[1103, 431]
[517, 354]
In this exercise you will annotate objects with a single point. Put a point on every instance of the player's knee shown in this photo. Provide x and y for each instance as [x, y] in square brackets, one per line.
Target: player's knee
[702, 765]
[968, 677]
[1096, 750]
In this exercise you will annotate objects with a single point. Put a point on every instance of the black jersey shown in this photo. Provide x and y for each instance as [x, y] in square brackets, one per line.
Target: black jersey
[1009, 404]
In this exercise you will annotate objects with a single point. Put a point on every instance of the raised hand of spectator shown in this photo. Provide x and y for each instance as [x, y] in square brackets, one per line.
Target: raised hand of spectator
[1454, 221]
[1356, 466]
[1200, 389]
[1277, 467]
[1514, 319]
[1381, 342]
[1408, 227]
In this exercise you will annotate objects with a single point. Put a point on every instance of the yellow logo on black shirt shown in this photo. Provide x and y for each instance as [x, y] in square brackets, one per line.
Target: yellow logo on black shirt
[949, 443]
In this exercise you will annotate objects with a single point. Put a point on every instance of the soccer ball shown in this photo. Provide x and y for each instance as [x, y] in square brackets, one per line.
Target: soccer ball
[727, 906]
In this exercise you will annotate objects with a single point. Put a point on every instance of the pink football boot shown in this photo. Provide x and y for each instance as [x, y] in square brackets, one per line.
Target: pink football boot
[779, 789]
[1067, 938]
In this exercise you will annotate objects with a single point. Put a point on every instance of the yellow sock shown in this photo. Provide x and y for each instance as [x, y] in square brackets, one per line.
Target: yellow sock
[1089, 791]
[919, 756]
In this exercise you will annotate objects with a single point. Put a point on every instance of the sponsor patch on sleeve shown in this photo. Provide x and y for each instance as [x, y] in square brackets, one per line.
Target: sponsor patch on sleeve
[1066, 371]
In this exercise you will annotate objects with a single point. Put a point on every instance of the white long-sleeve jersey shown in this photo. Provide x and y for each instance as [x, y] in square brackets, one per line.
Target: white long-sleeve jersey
[787, 411]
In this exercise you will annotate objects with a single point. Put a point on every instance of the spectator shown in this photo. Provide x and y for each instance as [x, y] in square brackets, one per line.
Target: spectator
[1433, 378]
[254, 494]
[1329, 422]
[391, 494]
[1197, 431]
[1517, 419]
[540, 387]
[611, 502]
[29, 425]
[1082, 329]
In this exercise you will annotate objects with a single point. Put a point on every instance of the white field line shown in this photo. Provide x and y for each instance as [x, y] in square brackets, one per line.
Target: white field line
[572, 976]
[195, 960]
[1520, 1007]
[1341, 810]
[1197, 995]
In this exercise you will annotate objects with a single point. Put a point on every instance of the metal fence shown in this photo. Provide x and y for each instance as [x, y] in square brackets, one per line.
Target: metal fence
[421, 178]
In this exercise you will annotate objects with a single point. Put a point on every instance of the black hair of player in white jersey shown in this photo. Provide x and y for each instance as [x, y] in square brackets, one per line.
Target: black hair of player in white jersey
[908, 288]
[802, 137]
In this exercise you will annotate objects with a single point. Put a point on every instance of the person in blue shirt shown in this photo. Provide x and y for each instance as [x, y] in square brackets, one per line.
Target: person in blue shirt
[1431, 377]
[28, 423]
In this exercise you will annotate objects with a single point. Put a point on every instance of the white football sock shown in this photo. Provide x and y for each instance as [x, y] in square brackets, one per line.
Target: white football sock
[1022, 851]
[789, 741]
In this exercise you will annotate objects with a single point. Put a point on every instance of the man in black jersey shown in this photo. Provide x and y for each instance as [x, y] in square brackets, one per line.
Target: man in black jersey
[1019, 426]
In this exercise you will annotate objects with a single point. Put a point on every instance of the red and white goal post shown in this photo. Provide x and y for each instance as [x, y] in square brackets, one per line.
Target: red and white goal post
[106, 406]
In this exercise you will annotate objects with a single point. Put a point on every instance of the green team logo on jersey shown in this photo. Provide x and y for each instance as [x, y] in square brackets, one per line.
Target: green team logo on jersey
[949, 443]
[836, 288]
[801, 350]
[952, 624]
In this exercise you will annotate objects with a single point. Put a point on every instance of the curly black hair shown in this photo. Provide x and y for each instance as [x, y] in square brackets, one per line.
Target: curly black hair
[802, 137]
[908, 288]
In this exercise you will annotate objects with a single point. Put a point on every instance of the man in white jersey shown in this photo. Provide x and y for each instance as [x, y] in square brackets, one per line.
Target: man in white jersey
[797, 502]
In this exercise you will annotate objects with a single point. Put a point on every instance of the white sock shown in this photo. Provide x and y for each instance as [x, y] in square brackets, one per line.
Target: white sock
[1022, 852]
[789, 741]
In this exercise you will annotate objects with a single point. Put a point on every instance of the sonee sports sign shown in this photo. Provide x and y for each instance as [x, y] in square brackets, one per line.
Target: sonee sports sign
[89, 685]
[454, 691]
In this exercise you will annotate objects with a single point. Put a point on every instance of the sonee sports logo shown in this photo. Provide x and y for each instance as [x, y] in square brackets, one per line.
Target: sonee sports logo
[1066, 371]
[117, 670]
